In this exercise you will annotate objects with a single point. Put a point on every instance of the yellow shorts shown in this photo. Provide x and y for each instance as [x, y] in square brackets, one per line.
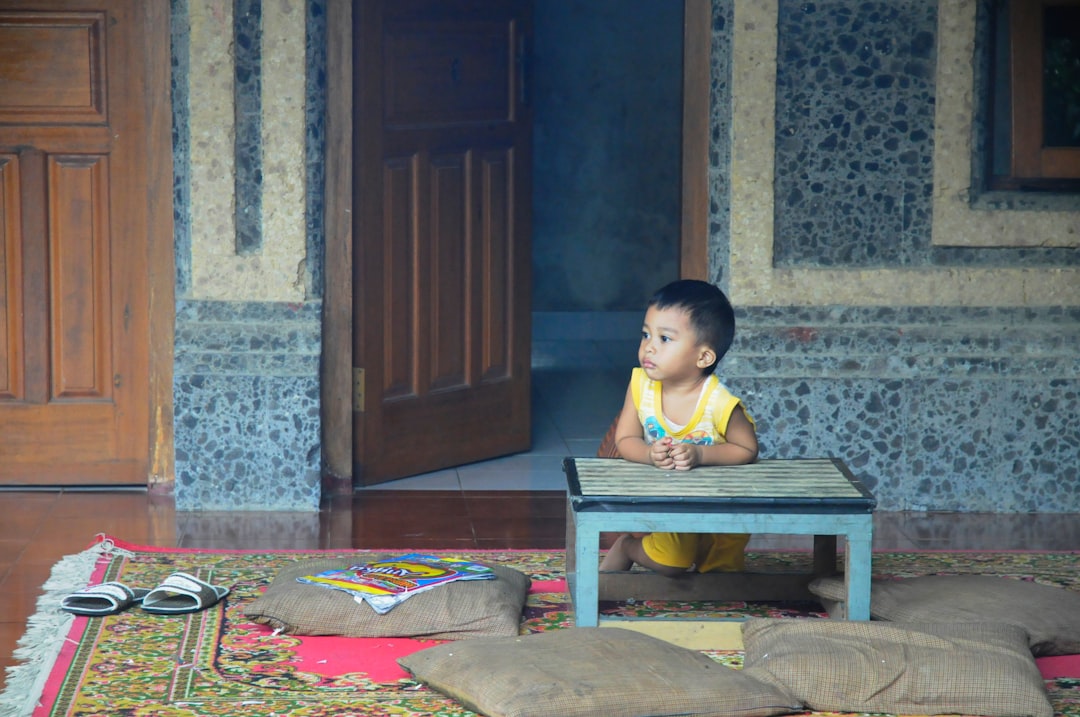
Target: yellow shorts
[708, 552]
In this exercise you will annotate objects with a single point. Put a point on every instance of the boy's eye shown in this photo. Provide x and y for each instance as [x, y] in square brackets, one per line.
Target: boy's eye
[644, 335]
[665, 339]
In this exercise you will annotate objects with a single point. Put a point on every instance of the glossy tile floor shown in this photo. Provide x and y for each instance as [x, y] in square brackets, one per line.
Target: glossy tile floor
[511, 502]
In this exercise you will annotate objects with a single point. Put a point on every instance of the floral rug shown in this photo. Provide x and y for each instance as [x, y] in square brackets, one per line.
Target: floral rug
[216, 662]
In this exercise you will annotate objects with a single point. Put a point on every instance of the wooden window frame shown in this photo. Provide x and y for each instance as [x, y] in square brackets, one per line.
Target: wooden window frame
[1033, 165]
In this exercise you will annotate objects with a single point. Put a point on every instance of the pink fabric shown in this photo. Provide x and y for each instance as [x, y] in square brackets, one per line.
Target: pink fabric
[1059, 666]
[548, 586]
[375, 656]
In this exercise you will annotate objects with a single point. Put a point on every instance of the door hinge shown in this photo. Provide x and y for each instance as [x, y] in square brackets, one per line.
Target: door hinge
[358, 389]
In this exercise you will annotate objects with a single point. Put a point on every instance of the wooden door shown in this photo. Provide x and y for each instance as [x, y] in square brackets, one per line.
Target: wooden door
[74, 236]
[442, 185]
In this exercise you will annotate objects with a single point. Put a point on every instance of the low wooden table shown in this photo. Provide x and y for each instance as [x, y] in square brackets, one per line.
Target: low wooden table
[818, 497]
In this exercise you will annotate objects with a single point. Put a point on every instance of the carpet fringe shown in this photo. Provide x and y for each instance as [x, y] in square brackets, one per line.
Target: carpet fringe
[46, 631]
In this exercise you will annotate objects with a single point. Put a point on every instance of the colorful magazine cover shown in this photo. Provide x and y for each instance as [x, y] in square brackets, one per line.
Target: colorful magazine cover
[385, 583]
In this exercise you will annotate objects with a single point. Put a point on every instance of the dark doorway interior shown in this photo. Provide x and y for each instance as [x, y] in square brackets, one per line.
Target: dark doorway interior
[607, 88]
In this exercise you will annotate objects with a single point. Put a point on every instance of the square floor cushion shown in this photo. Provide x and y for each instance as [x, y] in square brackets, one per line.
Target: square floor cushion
[454, 611]
[899, 668]
[1051, 615]
[587, 671]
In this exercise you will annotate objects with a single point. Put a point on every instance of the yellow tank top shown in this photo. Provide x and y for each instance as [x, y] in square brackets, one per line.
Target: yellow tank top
[707, 425]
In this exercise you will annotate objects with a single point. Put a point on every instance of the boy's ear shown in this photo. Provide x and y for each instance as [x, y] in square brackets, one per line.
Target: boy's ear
[706, 358]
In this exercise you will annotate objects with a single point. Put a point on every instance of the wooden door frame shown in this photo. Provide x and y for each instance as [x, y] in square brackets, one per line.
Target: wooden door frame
[161, 251]
[336, 368]
[697, 81]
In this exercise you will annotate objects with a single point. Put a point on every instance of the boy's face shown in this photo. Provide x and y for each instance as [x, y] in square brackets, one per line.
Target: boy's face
[670, 349]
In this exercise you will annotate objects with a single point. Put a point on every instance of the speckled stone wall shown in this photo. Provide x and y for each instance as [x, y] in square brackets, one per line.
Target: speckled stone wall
[933, 408]
[859, 75]
[854, 116]
[855, 109]
[248, 105]
[246, 399]
[944, 372]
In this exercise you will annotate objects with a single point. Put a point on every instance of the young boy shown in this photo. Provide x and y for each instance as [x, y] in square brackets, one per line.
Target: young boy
[677, 415]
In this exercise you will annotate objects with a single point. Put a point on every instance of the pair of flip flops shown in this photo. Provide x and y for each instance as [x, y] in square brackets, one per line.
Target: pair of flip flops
[178, 593]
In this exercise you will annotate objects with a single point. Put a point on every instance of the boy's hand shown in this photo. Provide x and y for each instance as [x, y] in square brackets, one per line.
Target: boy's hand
[660, 454]
[685, 456]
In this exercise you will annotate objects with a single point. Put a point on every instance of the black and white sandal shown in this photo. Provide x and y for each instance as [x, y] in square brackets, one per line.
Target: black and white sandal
[104, 599]
[182, 593]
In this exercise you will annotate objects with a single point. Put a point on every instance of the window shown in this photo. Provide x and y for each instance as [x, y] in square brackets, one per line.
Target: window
[1036, 86]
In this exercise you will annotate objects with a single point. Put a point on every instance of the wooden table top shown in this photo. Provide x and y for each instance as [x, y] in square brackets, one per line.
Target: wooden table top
[615, 484]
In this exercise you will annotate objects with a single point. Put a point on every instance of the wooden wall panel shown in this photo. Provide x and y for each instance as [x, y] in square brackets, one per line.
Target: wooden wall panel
[450, 327]
[496, 180]
[11, 351]
[400, 329]
[440, 77]
[79, 260]
[55, 67]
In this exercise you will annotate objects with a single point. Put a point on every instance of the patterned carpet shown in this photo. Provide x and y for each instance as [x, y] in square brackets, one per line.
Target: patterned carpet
[218, 663]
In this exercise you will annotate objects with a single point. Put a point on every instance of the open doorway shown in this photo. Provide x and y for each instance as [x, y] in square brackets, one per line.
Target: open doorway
[607, 131]
[337, 372]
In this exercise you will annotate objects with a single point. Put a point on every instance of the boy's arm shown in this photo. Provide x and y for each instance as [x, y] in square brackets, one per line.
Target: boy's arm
[741, 443]
[630, 436]
[741, 446]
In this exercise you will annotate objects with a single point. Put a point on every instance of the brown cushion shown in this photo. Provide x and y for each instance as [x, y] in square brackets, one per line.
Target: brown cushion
[457, 610]
[899, 668]
[591, 671]
[1050, 615]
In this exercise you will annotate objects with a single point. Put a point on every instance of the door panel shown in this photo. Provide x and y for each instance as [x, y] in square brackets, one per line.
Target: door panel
[54, 64]
[496, 182]
[74, 390]
[422, 56]
[12, 386]
[448, 308]
[399, 314]
[441, 228]
[79, 251]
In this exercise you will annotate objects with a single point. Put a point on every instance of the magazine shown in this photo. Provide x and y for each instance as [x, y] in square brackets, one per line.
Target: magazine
[385, 583]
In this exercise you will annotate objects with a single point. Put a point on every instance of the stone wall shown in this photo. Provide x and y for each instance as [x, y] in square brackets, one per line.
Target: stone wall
[246, 397]
[954, 409]
[248, 106]
[888, 316]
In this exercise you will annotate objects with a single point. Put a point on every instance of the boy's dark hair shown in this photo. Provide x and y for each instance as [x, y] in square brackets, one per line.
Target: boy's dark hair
[711, 315]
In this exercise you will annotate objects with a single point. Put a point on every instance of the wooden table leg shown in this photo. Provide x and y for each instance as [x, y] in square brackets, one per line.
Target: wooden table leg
[585, 582]
[857, 571]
